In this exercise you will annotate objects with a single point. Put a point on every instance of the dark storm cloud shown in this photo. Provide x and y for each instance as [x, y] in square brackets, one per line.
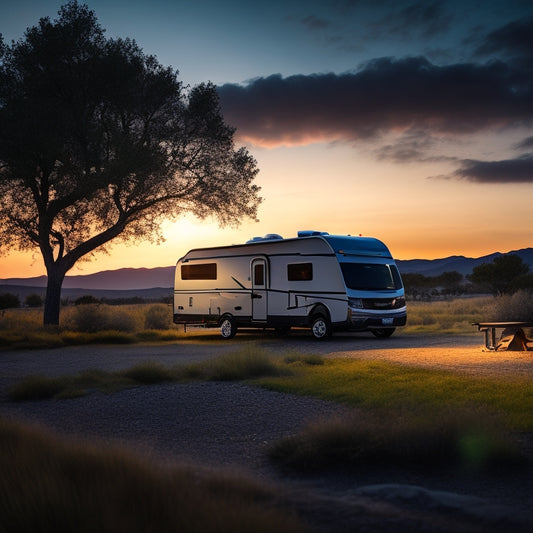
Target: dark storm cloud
[519, 170]
[386, 95]
[514, 38]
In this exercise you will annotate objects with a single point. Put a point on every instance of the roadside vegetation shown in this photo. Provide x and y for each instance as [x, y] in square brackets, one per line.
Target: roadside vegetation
[402, 414]
[101, 323]
[55, 484]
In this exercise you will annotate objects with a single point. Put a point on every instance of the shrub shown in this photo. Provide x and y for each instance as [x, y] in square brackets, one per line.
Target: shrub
[89, 318]
[57, 484]
[8, 300]
[33, 300]
[470, 440]
[88, 299]
[158, 317]
[514, 307]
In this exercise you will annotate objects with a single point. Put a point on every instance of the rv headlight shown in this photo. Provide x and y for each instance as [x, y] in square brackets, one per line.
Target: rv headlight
[355, 303]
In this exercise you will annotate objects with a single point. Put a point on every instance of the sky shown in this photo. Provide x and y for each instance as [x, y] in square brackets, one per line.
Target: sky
[406, 120]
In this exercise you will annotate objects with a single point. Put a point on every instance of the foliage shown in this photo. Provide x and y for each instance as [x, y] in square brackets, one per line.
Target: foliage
[447, 316]
[472, 441]
[100, 142]
[8, 300]
[50, 483]
[513, 307]
[447, 283]
[87, 299]
[33, 300]
[158, 317]
[500, 275]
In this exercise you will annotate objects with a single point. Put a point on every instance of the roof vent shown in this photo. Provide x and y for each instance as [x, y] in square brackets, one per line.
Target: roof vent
[267, 237]
[311, 233]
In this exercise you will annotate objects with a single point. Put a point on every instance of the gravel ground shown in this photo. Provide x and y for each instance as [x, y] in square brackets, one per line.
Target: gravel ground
[229, 426]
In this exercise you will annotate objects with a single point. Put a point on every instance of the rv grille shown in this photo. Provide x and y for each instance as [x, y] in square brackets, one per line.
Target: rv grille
[384, 303]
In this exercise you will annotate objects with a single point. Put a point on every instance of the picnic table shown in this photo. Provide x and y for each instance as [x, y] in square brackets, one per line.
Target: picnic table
[511, 331]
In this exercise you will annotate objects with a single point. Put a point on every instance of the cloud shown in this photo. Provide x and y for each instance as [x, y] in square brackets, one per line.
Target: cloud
[386, 95]
[519, 170]
[513, 38]
[525, 144]
[413, 146]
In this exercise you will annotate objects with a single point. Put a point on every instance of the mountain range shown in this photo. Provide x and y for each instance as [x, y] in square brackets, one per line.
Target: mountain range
[155, 281]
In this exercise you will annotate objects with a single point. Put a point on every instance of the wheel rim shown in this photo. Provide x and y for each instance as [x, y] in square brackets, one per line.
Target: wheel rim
[319, 328]
[226, 328]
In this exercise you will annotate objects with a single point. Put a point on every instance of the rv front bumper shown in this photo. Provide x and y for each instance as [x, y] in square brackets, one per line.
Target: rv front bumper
[365, 319]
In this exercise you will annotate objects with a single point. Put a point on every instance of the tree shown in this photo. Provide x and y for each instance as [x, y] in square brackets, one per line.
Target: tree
[100, 142]
[499, 275]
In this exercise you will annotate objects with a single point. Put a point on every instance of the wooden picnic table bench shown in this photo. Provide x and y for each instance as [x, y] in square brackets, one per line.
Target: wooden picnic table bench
[489, 329]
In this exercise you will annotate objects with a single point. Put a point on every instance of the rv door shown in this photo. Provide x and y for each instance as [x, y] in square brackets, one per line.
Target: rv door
[259, 292]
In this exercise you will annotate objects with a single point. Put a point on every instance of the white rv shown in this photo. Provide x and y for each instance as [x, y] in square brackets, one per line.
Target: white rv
[320, 281]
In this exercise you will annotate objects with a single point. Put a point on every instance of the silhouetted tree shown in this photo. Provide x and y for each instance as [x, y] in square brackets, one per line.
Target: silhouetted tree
[100, 142]
[499, 275]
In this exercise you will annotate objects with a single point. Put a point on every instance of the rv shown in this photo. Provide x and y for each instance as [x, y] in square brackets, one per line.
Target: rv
[319, 281]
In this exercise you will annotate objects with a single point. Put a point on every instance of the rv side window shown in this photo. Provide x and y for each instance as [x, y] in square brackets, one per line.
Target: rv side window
[259, 274]
[300, 272]
[197, 272]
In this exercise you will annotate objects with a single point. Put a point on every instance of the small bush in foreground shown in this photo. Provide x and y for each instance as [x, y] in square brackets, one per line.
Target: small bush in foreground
[461, 440]
[149, 373]
[37, 388]
[48, 484]
[247, 363]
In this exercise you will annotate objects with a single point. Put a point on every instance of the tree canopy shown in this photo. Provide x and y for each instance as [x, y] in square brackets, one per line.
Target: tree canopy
[100, 142]
[502, 274]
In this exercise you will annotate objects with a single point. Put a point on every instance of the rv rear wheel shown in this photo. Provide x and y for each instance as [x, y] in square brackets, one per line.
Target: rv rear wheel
[383, 333]
[321, 328]
[228, 328]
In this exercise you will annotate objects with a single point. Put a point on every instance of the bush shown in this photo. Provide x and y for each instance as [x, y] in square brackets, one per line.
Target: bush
[8, 300]
[514, 307]
[33, 300]
[158, 317]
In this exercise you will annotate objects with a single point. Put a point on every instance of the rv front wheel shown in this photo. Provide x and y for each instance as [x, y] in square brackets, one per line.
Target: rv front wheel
[228, 328]
[321, 328]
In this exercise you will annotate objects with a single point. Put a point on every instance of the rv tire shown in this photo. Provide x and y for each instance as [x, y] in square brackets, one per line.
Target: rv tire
[320, 327]
[383, 333]
[228, 327]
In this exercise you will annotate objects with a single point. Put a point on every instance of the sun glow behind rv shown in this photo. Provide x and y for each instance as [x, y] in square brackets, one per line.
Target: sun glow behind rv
[316, 280]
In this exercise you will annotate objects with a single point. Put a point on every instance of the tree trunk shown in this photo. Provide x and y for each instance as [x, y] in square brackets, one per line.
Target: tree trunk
[52, 302]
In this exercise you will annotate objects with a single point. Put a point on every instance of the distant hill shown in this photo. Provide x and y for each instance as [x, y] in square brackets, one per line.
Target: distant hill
[121, 279]
[158, 282]
[457, 263]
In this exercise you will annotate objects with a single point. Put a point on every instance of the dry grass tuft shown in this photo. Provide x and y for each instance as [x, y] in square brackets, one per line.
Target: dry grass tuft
[49, 484]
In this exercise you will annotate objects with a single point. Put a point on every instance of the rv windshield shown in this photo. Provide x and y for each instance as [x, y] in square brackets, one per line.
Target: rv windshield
[371, 276]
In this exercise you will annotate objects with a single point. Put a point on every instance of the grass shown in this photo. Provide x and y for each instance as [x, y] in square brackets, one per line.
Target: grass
[448, 316]
[53, 484]
[126, 324]
[405, 415]
[246, 363]
[470, 441]
[401, 389]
